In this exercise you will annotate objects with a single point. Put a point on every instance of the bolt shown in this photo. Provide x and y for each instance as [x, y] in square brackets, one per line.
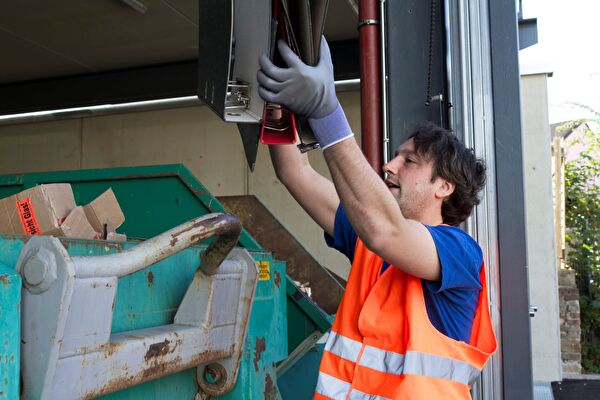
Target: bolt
[214, 375]
[211, 375]
[35, 271]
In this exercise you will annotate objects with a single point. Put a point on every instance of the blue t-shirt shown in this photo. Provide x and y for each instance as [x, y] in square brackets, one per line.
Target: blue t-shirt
[451, 303]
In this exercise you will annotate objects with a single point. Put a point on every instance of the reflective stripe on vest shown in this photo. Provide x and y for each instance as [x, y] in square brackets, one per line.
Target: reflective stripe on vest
[343, 347]
[413, 362]
[358, 395]
[334, 388]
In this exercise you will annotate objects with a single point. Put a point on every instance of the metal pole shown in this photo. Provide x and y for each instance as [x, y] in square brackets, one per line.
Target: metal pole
[384, 91]
[512, 246]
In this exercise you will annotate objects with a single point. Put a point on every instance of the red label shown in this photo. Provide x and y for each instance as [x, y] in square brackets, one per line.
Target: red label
[27, 215]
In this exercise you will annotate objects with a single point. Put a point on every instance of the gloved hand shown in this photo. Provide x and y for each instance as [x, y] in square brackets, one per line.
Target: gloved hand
[307, 91]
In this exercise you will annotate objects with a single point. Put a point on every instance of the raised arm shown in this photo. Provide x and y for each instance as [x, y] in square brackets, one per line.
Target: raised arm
[370, 206]
[376, 216]
[315, 193]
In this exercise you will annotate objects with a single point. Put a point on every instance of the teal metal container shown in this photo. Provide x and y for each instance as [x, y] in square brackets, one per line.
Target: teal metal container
[155, 199]
[151, 297]
[10, 332]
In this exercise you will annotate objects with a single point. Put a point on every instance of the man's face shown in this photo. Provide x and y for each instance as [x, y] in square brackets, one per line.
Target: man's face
[409, 179]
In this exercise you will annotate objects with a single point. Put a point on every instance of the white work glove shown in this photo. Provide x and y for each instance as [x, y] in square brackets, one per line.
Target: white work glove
[305, 90]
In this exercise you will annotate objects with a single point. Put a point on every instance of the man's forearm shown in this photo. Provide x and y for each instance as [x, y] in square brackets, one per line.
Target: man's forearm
[287, 161]
[369, 205]
[315, 193]
[371, 208]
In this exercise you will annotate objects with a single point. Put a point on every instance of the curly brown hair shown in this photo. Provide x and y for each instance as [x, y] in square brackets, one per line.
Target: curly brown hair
[455, 163]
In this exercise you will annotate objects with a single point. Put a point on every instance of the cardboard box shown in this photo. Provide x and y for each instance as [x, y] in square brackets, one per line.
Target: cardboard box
[51, 210]
[77, 226]
[116, 237]
[37, 211]
[104, 213]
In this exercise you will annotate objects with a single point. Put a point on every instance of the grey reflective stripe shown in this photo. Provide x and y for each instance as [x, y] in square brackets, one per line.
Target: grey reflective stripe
[358, 395]
[331, 387]
[413, 362]
[343, 347]
[416, 363]
[382, 360]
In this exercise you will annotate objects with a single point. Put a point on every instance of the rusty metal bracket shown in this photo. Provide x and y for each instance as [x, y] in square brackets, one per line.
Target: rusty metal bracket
[68, 349]
[226, 227]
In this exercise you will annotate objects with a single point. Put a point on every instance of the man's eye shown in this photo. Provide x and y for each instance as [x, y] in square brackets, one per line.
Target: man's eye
[409, 160]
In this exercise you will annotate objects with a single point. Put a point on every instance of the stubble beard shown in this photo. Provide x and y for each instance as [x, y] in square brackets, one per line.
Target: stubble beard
[410, 206]
[403, 203]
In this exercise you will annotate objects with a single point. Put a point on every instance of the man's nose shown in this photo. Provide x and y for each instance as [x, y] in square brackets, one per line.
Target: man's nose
[386, 169]
[390, 168]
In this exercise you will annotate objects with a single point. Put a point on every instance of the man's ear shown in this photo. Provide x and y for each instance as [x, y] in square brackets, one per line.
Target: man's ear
[445, 189]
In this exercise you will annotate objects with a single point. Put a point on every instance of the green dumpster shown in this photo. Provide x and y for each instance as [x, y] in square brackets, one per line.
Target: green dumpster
[284, 322]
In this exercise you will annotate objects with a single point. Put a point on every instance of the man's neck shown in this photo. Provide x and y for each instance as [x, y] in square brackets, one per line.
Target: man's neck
[431, 218]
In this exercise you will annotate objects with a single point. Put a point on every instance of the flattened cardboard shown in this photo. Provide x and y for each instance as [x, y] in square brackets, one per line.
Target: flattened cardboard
[116, 237]
[104, 210]
[60, 196]
[77, 226]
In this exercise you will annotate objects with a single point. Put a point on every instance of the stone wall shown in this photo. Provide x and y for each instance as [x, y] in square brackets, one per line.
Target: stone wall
[570, 323]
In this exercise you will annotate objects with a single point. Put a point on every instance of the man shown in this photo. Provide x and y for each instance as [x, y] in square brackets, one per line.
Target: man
[414, 320]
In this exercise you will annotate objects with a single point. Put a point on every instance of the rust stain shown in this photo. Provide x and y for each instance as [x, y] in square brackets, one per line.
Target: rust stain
[66, 242]
[160, 368]
[110, 348]
[174, 240]
[137, 176]
[200, 192]
[150, 277]
[16, 238]
[4, 279]
[210, 224]
[277, 278]
[157, 350]
[269, 392]
[135, 337]
[259, 348]
[153, 371]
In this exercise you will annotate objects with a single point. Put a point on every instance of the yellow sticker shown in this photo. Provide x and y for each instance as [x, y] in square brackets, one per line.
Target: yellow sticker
[264, 271]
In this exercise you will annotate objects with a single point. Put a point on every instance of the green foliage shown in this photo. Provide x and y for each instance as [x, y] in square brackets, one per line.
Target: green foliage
[582, 214]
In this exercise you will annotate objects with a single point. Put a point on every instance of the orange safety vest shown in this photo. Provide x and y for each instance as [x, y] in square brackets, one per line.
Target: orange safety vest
[383, 346]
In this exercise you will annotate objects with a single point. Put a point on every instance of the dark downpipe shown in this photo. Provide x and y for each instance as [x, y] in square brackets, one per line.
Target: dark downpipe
[370, 82]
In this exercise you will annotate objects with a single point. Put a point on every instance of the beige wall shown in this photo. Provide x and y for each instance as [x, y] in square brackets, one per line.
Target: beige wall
[193, 136]
[543, 274]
